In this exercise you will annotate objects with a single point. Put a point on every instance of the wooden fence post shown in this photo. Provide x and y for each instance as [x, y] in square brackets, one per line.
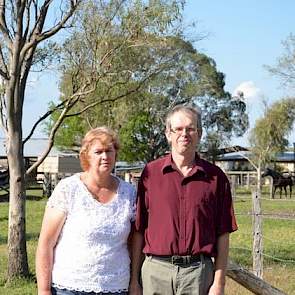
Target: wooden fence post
[248, 180]
[257, 235]
[271, 188]
[250, 281]
[47, 185]
[233, 186]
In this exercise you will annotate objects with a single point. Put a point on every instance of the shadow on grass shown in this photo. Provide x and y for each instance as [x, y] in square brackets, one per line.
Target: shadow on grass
[18, 281]
[32, 236]
[5, 198]
[3, 240]
[29, 237]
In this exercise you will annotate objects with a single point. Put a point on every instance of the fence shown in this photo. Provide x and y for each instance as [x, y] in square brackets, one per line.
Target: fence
[250, 278]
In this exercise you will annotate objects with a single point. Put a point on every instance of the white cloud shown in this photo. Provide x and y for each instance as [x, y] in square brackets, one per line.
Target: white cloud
[250, 90]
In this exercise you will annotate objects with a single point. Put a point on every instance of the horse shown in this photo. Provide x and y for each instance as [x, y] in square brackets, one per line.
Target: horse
[279, 181]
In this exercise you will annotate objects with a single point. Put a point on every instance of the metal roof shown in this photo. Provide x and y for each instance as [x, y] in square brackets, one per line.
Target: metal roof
[35, 147]
[240, 156]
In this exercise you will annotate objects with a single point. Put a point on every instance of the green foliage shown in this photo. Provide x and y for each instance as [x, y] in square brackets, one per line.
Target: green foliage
[269, 135]
[142, 139]
[140, 65]
[112, 49]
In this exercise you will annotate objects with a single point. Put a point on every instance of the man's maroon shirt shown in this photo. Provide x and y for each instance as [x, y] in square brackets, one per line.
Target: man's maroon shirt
[183, 215]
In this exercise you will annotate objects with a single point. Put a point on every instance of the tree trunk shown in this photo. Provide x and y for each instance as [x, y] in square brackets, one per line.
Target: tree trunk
[17, 251]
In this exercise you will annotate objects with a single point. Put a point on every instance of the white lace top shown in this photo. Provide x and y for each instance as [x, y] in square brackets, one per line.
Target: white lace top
[91, 253]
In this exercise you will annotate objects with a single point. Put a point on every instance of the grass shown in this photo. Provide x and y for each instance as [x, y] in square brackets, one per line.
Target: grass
[34, 213]
[279, 242]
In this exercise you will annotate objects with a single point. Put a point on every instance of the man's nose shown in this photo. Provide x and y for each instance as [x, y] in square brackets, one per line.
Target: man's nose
[185, 130]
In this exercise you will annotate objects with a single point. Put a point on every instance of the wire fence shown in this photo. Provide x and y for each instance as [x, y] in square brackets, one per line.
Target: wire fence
[275, 247]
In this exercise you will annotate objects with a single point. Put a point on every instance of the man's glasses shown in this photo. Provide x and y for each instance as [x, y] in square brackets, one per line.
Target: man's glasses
[179, 130]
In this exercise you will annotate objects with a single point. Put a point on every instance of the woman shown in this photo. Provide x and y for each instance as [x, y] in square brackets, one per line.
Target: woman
[82, 246]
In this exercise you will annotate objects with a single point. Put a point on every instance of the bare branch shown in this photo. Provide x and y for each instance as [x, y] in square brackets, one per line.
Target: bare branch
[50, 141]
[247, 158]
[70, 102]
[3, 119]
[60, 24]
[3, 74]
[115, 98]
[3, 24]
[3, 67]
[42, 118]
[28, 18]
[37, 36]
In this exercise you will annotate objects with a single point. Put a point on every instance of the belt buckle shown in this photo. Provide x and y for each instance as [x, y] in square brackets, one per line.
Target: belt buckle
[180, 260]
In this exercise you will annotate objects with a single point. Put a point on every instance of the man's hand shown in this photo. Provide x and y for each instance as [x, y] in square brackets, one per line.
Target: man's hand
[216, 290]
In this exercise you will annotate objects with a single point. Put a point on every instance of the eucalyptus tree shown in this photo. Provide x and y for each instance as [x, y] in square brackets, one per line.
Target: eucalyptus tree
[284, 68]
[87, 66]
[24, 26]
[118, 47]
[173, 72]
[270, 134]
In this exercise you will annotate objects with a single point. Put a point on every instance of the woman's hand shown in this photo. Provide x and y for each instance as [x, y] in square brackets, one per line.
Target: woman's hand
[135, 288]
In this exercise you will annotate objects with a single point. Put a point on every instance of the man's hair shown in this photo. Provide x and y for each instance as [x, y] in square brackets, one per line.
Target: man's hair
[194, 111]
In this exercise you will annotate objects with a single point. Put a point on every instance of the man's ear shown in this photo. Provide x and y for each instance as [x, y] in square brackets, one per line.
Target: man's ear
[168, 136]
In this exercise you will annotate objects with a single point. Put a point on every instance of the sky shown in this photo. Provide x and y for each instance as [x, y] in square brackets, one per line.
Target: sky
[241, 36]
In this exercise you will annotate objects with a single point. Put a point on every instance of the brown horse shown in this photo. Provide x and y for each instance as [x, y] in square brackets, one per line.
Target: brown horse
[279, 181]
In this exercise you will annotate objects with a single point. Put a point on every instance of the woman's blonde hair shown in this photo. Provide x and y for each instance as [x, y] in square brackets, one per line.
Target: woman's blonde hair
[105, 135]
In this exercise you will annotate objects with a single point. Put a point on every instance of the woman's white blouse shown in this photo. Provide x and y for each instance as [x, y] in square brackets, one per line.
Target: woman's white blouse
[91, 253]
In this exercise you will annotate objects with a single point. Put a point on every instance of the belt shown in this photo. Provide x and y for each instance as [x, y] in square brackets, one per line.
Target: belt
[177, 259]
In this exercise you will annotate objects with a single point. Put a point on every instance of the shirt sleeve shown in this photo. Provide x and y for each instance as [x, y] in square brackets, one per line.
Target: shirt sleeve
[59, 198]
[141, 220]
[226, 217]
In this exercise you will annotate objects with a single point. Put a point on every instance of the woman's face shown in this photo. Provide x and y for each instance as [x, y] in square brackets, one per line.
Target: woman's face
[101, 158]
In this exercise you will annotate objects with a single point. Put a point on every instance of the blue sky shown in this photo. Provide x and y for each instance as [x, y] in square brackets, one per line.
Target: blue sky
[243, 36]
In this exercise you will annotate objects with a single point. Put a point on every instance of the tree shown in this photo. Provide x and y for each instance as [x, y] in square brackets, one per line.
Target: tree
[269, 135]
[188, 76]
[142, 139]
[267, 138]
[24, 26]
[285, 66]
[192, 78]
[123, 53]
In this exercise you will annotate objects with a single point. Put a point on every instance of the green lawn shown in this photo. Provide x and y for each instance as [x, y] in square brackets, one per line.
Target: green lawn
[279, 242]
[34, 213]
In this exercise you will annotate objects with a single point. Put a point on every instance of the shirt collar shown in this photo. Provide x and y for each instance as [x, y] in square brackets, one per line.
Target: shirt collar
[169, 165]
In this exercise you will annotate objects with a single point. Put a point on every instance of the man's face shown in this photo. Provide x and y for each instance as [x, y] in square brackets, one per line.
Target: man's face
[183, 134]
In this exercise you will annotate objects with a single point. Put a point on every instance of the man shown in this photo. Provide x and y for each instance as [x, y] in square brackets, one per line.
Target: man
[184, 217]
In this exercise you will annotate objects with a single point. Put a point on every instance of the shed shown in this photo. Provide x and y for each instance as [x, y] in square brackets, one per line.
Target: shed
[61, 163]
